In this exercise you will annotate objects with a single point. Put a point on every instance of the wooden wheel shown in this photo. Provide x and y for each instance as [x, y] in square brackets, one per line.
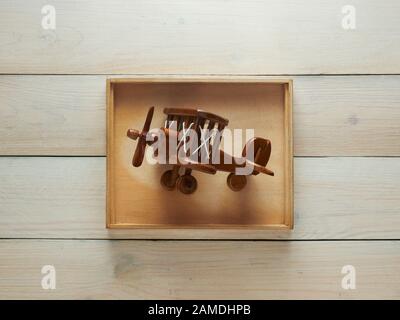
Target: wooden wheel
[168, 181]
[186, 184]
[235, 182]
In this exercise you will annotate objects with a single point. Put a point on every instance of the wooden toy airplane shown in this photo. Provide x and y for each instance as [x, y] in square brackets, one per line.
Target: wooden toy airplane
[199, 120]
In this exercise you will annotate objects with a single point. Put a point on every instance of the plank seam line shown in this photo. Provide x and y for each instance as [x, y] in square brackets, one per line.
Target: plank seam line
[201, 240]
[205, 74]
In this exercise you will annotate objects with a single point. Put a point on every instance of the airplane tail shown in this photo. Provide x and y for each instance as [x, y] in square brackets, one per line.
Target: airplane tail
[257, 150]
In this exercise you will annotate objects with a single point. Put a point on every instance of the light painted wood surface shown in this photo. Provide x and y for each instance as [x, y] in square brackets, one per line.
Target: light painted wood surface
[199, 270]
[52, 115]
[332, 116]
[335, 198]
[200, 37]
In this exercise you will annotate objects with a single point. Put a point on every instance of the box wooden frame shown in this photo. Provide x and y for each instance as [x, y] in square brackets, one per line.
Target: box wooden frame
[288, 222]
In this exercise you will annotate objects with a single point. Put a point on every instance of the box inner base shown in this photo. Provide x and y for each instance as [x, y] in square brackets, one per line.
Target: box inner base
[138, 197]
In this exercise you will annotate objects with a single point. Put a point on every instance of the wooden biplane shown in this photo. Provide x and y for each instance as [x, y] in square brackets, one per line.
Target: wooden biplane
[198, 121]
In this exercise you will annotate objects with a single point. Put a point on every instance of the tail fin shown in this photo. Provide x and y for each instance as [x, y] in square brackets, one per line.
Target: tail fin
[257, 150]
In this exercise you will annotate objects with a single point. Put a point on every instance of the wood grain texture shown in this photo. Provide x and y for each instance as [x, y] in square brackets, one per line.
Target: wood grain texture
[199, 270]
[52, 102]
[332, 116]
[52, 115]
[200, 37]
[335, 198]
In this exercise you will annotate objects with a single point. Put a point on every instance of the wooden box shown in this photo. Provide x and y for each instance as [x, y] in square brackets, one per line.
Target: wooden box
[135, 197]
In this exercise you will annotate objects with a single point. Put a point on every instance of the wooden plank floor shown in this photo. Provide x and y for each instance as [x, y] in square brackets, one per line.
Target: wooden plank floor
[332, 116]
[201, 37]
[193, 269]
[335, 198]
[346, 116]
